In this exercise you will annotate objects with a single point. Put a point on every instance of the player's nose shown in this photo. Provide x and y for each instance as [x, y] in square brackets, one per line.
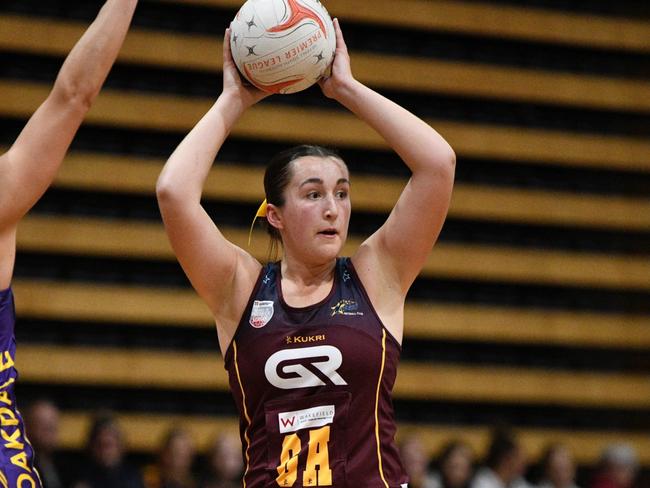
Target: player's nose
[330, 211]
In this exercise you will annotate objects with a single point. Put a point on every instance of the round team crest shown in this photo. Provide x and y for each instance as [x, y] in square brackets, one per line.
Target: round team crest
[261, 313]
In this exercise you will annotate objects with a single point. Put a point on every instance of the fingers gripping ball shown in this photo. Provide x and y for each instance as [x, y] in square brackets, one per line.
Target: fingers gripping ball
[282, 46]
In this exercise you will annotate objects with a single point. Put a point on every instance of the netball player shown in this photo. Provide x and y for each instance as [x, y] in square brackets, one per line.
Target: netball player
[311, 343]
[26, 170]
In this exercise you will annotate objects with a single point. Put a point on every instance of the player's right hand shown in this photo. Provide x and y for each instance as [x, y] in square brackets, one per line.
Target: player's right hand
[233, 84]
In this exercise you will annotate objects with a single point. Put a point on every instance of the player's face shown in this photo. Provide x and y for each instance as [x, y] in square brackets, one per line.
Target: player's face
[316, 212]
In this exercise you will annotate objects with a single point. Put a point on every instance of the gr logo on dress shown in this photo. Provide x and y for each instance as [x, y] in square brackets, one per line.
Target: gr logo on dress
[304, 367]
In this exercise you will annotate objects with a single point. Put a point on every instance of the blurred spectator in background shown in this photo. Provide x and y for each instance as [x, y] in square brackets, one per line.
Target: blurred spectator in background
[415, 462]
[618, 467]
[106, 467]
[505, 464]
[175, 460]
[42, 427]
[224, 463]
[558, 468]
[454, 466]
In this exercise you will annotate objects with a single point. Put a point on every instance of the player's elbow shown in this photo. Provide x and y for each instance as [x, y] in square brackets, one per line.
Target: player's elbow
[443, 163]
[447, 162]
[169, 193]
[164, 190]
[74, 94]
[448, 158]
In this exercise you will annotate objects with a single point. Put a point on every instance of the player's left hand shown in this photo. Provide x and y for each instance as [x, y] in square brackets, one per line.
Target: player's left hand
[340, 79]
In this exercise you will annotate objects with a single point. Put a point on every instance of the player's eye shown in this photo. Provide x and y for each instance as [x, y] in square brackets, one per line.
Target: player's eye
[342, 194]
[313, 195]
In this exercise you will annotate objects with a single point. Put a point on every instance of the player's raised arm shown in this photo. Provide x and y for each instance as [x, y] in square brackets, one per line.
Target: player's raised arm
[28, 168]
[400, 247]
[30, 165]
[208, 259]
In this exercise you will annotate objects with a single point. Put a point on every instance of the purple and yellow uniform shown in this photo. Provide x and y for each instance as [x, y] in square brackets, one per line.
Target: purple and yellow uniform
[16, 454]
[313, 387]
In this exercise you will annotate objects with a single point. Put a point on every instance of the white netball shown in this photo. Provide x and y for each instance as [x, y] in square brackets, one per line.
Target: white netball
[282, 46]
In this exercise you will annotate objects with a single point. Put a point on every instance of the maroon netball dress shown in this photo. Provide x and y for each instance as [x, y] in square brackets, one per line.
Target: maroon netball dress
[313, 387]
[16, 454]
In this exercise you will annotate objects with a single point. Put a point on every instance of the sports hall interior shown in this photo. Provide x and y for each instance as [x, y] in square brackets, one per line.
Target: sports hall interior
[533, 309]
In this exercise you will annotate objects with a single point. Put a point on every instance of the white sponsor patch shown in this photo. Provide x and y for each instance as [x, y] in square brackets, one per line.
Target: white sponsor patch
[306, 419]
[261, 313]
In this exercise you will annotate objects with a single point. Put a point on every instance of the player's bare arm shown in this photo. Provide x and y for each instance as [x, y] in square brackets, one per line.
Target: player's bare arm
[396, 253]
[217, 269]
[30, 165]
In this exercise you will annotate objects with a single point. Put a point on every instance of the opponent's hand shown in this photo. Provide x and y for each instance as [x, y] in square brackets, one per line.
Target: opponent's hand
[232, 81]
[340, 80]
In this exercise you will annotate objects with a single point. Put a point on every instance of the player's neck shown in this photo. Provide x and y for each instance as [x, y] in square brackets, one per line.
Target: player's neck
[304, 285]
[306, 275]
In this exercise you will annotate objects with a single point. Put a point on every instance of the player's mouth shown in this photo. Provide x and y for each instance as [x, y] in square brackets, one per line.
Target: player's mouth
[330, 232]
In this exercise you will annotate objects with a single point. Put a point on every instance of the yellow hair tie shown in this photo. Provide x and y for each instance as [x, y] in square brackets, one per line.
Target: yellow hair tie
[261, 212]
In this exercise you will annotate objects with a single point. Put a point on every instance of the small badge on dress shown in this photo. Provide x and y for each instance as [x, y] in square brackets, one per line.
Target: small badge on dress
[261, 313]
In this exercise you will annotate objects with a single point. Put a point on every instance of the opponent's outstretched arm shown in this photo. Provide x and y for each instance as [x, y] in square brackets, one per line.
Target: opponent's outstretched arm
[400, 247]
[208, 259]
[30, 165]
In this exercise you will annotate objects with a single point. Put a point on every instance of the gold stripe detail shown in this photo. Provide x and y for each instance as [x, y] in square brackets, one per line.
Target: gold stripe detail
[248, 420]
[381, 374]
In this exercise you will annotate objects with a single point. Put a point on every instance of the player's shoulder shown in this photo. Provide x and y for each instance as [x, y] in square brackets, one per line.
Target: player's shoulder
[371, 269]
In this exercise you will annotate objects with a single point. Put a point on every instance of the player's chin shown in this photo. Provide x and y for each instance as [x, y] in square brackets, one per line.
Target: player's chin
[328, 247]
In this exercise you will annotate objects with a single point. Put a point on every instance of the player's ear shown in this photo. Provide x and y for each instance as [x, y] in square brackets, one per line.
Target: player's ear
[274, 216]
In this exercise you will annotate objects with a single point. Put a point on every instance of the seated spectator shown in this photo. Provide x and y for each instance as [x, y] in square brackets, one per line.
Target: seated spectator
[42, 427]
[558, 468]
[224, 463]
[175, 460]
[505, 464]
[618, 467]
[415, 462]
[454, 466]
[106, 467]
